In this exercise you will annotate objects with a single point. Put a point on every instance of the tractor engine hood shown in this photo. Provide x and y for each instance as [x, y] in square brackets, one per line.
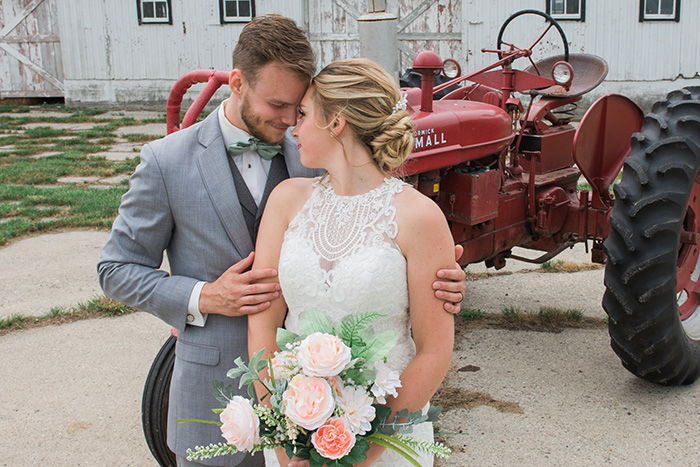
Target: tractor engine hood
[456, 131]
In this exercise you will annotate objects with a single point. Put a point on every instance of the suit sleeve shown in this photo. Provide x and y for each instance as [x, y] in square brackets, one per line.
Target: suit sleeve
[128, 269]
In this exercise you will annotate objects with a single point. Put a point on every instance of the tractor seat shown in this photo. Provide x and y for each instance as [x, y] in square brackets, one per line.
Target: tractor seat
[589, 72]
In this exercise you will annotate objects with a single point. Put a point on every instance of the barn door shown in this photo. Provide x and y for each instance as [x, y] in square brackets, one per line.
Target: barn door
[426, 25]
[30, 49]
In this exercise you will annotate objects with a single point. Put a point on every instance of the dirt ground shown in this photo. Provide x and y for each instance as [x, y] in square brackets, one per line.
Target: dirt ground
[72, 393]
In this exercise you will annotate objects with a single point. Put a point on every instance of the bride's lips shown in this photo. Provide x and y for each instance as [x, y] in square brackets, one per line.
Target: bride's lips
[298, 146]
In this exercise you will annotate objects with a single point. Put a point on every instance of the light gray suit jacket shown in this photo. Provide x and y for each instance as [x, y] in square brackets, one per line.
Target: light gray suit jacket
[182, 199]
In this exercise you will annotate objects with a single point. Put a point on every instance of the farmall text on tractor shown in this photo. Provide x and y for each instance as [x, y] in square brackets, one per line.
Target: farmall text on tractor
[504, 169]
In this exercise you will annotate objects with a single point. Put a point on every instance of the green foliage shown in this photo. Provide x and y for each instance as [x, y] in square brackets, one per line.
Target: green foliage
[471, 313]
[210, 451]
[312, 321]
[14, 320]
[352, 325]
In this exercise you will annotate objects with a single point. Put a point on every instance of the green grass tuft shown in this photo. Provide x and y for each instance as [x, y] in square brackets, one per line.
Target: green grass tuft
[471, 314]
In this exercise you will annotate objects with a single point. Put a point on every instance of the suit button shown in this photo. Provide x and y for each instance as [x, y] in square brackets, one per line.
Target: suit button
[190, 317]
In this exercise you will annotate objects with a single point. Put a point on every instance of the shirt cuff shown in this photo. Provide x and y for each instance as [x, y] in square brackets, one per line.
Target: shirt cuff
[194, 316]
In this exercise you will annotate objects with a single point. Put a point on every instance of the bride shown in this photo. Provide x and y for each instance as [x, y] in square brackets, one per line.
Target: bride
[357, 239]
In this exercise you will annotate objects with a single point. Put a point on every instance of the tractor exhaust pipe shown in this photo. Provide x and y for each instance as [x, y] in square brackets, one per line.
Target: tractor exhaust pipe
[428, 64]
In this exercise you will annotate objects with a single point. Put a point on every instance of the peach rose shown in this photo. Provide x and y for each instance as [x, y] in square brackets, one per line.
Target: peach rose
[308, 401]
[240, 424]
[323, 355]
[333, 440]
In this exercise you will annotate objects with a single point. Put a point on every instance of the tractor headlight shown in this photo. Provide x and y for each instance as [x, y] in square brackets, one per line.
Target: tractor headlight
[450, 68]
[562, 73]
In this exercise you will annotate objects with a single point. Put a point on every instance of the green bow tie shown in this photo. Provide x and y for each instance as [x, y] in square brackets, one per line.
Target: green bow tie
[265, 150]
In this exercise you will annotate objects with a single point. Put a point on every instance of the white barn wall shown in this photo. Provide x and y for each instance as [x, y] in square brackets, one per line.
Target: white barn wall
[110, 58]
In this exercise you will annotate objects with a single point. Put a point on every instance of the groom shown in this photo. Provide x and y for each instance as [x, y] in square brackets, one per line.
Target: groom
[202, 203]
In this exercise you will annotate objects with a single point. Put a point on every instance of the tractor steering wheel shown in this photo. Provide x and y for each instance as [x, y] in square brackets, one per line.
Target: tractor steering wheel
[552, 23]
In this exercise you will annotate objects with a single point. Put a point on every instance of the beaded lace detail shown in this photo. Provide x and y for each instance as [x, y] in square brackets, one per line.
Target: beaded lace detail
[339, 256]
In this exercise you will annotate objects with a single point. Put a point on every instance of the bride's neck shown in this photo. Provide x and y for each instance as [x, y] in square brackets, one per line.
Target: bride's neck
[354, 172]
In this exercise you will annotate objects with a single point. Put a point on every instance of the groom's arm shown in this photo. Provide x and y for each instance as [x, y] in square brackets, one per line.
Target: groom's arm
[128, 269]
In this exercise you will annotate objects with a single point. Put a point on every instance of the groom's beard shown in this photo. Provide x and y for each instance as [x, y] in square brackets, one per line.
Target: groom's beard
[256, 125]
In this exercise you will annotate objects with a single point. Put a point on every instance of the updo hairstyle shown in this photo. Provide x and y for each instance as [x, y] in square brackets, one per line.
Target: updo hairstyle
[365, 95]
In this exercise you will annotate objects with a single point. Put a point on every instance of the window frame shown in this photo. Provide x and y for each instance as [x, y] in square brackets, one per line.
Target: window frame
[142, 20]
[644, 18]
[230, 20]
[581, 16]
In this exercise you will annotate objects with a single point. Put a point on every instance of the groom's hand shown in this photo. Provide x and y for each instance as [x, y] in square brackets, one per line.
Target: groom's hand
[237, 293]
[451, 284]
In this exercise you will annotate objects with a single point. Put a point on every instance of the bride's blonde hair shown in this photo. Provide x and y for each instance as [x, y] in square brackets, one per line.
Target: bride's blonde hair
[366, 96]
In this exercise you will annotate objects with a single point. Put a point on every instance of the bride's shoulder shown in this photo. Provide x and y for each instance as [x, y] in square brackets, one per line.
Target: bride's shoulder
[416, 212]
[291, 193]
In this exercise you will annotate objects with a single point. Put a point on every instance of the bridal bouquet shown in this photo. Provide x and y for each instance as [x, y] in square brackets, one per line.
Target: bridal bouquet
[327, 393]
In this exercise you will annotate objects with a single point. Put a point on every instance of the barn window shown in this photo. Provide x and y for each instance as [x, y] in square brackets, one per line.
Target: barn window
[659, 10]
[567, 9]
[154, 11]
[236, 11]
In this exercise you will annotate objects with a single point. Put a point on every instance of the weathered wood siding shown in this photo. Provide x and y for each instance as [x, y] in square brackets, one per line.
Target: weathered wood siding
[30, 53]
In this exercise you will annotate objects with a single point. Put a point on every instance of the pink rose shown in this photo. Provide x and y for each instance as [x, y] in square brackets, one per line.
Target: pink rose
[308, 401]
[323, 355]
[333, 440]
[240, 424]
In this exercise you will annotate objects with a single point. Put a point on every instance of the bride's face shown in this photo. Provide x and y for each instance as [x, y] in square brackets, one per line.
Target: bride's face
[313, 135]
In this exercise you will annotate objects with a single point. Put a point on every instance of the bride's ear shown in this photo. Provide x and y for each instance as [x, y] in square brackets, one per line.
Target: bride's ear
[337, 125]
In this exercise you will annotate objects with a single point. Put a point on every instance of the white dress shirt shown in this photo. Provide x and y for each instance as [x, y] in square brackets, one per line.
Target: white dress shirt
[254, 170]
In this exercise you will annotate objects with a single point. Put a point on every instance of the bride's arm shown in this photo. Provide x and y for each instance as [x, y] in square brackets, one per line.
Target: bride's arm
[426, 242]
[282, 204]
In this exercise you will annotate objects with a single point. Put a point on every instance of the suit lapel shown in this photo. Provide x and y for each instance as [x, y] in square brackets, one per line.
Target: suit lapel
[214, 168]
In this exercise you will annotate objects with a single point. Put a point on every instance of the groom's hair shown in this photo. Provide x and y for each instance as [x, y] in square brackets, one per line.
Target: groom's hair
[273, 38]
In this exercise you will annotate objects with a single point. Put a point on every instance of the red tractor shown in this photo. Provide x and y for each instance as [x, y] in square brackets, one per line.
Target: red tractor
[504, 169]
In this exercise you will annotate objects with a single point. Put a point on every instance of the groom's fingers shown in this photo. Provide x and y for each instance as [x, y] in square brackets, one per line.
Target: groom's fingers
[258, 274]
[243, 264]
[259, 298]
[252, 309]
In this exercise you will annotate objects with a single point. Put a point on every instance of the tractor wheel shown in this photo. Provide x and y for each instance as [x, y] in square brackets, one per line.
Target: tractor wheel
[154, 404]
[652, 276]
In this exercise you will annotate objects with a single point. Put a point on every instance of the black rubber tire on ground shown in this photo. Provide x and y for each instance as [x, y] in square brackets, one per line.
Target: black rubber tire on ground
[154, 404]
[651, 210]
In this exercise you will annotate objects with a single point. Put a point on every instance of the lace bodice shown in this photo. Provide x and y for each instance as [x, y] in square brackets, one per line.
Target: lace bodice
[339, 256]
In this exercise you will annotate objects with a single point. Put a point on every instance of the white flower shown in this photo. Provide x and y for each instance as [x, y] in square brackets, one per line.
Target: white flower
[240, 425]
[308, 401]
[323, 355]
[357, 407]
[385, 382]
[284, 364]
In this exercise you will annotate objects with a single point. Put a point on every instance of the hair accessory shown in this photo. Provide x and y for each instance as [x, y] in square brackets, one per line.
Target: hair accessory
[401, 104]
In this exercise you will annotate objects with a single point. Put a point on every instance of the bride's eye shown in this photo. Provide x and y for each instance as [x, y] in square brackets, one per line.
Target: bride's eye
[300, 114]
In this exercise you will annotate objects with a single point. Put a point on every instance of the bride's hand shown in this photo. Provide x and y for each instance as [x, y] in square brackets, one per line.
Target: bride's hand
[297, 462]
[451, 286]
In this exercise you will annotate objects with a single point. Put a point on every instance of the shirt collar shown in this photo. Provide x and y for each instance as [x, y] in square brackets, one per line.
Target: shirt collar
[230, 132]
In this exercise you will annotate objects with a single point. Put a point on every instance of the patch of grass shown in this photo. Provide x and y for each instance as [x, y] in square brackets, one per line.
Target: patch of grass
[98, 307]
[471, 313]
[13, 321]
[76, 206]
[44, 132]
[154, 120]
[139, 138]
[7, 109]
[568, 266]
[546, 319]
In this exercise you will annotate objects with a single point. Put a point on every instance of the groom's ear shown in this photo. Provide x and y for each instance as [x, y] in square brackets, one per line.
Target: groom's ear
[235, 81]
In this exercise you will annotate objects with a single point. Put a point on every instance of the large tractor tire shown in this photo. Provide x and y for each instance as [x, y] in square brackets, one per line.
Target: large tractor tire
[154, 404]
[652, 276]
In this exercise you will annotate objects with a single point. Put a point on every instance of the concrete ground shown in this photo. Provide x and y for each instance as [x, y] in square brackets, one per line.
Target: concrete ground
[72, 393]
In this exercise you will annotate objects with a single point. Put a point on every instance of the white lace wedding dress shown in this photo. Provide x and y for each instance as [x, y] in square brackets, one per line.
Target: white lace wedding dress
[339, 256]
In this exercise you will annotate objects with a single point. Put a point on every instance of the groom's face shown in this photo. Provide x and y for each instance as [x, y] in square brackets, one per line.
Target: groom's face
[268, 104]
